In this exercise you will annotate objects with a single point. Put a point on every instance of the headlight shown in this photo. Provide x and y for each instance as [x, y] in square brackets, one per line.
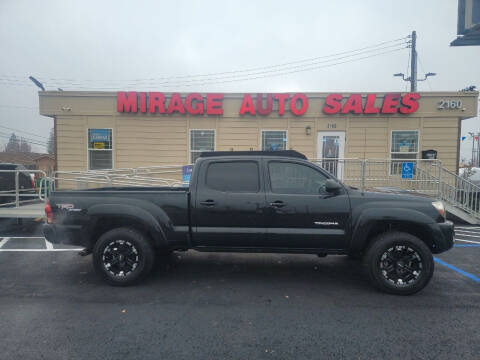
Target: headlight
[440, 208]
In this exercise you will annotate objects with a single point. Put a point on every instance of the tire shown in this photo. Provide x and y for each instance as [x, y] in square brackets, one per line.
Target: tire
[123, 256]
[399, 263]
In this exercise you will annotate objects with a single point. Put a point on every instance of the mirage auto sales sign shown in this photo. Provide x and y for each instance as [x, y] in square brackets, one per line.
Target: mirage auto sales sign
[263, 104]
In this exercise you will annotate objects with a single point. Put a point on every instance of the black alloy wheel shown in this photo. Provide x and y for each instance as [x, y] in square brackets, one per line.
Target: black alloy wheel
[123, 256]
[120, 258]
[399, 263]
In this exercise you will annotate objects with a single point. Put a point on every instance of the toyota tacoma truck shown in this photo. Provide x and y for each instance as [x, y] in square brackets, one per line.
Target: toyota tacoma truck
[254, 202]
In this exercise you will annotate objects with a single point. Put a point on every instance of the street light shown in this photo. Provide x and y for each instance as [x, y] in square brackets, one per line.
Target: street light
[427, 75]
[36, 82]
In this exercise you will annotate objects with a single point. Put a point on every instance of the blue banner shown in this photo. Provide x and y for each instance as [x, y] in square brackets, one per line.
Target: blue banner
[99, 135]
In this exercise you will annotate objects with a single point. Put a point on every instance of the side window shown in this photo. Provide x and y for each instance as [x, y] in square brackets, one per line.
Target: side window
[291, 178]
[235, 176]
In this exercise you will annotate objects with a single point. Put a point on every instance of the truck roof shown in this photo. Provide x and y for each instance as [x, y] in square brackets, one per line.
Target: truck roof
[280, 153]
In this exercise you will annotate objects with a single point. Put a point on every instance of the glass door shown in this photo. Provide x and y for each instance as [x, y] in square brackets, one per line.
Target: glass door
[331, 148]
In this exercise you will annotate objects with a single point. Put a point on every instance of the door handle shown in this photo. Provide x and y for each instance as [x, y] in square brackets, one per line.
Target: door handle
[277, 204]
[208, 202]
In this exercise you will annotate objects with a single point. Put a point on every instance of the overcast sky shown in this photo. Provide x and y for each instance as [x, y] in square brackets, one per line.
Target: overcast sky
[94, 44]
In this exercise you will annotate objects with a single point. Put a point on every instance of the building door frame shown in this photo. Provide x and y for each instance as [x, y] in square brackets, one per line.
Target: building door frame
[335, 167]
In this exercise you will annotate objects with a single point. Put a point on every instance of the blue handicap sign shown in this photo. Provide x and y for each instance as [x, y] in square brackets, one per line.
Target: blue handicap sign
[407, 170]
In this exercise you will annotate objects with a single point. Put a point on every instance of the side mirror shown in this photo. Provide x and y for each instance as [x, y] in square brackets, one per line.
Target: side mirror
[331, 186]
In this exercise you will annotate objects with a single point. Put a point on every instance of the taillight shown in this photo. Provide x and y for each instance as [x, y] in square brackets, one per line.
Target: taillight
[49, 213]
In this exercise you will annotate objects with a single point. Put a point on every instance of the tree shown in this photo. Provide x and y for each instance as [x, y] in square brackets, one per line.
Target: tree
[51, 142]
[25, 147]
[13, 144]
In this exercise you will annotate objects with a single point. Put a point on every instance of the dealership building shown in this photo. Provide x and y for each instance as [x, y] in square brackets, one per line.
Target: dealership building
[107, 130]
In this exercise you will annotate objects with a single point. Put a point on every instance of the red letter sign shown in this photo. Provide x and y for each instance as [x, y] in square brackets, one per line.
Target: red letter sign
[127, 102]
[214, 104]
[175, 104]
[353, 104]
[260, 109]
[370, 105]
[155, 100]
[143, 102]
[281, 98]
[247, 105]
[410, 103]
[333, 104]
[293, 104]
[390, 103]
[194, 104]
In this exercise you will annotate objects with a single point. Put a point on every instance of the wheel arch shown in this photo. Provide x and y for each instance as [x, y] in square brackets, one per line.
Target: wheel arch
[370, 225]
[108, 217]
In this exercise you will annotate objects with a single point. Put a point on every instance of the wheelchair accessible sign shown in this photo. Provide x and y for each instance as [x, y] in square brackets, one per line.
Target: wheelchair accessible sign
[407, 170]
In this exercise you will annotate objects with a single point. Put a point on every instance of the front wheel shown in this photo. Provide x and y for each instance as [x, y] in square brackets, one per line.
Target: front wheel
[123, 256]
[399, 263]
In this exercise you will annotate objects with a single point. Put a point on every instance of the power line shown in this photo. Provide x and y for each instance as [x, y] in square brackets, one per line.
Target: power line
[264, 74]
[26, 139]
[22, 131]
[18, 107]
[253, 69]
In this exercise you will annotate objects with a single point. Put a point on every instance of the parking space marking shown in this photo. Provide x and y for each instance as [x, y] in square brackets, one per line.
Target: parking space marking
[465, 233]
[48, 244]
[460, 271]
[466, 245]
[26, 237]
[474, 236]
[469, 241]
[467, 227]
[38, 250]
[4, 241]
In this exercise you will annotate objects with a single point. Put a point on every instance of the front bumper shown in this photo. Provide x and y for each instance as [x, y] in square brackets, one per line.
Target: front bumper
[65, 234]
[443, 236]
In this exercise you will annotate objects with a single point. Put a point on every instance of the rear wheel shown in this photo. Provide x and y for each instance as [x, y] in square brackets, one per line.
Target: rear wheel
[123, 256]
[399, 263]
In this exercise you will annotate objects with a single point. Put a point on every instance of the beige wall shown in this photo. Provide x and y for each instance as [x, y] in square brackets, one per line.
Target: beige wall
[146, 140]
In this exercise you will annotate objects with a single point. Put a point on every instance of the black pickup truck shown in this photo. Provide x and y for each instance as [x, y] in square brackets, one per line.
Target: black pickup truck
[275, 202]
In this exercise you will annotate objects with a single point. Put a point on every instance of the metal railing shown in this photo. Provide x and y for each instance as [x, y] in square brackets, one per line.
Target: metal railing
[427, 177]
[167, 175]
[17, 187]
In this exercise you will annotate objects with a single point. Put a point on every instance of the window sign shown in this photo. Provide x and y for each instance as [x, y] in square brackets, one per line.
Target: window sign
[100, 149]
[187, 173]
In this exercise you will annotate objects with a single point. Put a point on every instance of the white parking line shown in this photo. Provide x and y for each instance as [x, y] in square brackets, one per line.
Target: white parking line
[48, 244]
[474, 236]
[469, 241]
[26, 237]
[4, 241]
[468, 232]
[467, 228]
[37, 250]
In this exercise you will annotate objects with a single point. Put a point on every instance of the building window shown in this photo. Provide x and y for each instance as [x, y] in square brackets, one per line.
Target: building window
[404, 146]
[200, 141]
[100, 150]
[273, 140]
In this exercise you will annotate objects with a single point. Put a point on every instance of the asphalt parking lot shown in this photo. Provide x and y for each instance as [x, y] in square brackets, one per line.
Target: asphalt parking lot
[232, 306]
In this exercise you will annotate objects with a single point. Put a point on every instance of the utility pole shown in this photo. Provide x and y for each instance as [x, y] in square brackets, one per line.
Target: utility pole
[413, 66]
[413, 79]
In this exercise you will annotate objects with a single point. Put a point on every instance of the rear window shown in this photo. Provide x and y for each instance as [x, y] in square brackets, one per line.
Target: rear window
[235, 176]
